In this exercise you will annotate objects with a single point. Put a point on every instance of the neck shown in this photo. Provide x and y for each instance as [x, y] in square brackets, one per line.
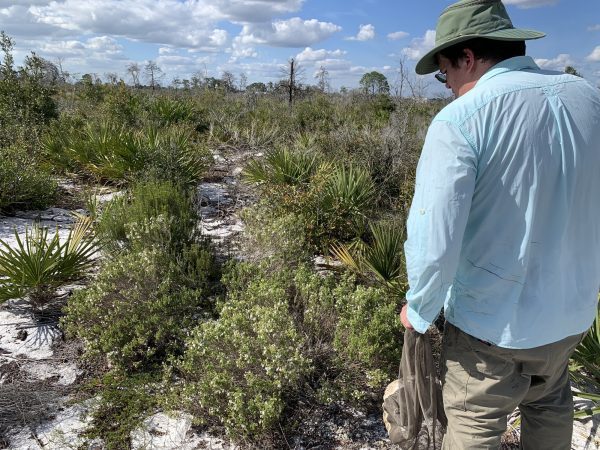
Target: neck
[478, 71]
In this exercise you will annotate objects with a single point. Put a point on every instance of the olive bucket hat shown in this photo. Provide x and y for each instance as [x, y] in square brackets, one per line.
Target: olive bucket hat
[469, 19]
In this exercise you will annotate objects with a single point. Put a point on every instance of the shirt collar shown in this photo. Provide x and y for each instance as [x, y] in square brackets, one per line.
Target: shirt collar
[508, 65]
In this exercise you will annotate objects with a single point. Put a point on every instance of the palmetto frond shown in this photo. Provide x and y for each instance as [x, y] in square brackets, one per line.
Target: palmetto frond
[381, 260]
[351, 187]
[282, 166]
[39, 264]
[585, 365]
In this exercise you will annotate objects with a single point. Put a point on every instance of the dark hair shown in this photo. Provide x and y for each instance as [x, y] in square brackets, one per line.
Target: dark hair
[485, 49]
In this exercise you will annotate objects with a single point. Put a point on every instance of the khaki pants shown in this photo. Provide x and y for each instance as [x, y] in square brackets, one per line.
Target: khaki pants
[483, 384]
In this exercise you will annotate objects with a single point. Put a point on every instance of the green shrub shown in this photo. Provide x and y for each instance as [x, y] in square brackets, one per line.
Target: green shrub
[333, 201]
[349, 193]
[124, 402]
[367, 341]
[239, 368]
[335, 206]
[283, 331]
[24, 184]
[110, 152]
[104, 151]
[123, 105]
[380, 259]
[37, 266]
[167, 111]
[353, 333]
[155, 214]
[282, 167]
[315, 114]
[279, 238]
[91, 90]
[174, 156]
[137, 311]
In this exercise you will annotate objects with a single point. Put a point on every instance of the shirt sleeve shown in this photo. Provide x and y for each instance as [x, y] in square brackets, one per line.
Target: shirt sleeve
[438, 216]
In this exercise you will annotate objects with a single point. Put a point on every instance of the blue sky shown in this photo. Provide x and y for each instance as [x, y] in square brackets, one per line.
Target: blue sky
[256, 37]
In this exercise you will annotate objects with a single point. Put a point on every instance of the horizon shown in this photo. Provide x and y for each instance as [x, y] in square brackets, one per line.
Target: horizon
[257, 38]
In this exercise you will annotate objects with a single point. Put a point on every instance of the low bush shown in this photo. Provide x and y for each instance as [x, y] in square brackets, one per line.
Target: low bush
[333, 201]
[315, 114]
[353, 335]
[379, 259]
[138, 311]
[238, 369]
[123, 105]
[104, 151]
[282, 167]
[154, 214]
[167, 111]
[109, 152]
[279, 238]
[282, 335]
[173, 155]
[367, 343]
[124, 402]
[24, 183]
[348, 194]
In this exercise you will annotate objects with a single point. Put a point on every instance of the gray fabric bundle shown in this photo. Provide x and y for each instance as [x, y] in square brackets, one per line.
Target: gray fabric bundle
[413, 411]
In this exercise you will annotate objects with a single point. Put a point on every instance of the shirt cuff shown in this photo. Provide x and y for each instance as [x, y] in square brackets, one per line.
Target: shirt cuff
[419, 324]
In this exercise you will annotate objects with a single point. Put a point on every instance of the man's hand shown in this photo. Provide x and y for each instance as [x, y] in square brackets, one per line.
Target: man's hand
[404, 318]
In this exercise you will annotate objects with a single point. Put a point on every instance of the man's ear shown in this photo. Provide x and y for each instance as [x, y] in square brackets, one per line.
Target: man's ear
[469, 59]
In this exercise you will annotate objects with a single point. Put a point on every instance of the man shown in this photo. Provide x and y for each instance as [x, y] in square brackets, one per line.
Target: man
[504, 230]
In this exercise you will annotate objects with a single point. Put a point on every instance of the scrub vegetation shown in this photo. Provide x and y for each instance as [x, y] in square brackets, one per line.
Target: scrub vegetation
[251, 344]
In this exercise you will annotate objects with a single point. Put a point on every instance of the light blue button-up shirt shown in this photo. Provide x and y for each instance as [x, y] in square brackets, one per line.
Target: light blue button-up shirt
[504, 227]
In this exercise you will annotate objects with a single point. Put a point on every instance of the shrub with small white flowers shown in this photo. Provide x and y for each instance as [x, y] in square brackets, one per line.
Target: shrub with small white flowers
[238, 369]
[284, 334]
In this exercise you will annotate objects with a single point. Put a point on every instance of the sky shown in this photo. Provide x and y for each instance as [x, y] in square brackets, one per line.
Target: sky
[257, 38]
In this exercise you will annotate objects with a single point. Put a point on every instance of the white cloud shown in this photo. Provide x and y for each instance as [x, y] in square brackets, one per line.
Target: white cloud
[175, 60]
[240, 51]
[25, 3]
[166, 50]
[420, 46]
[256, 70]
[559, 63]
[104, 44]
[525, 4]
[102, 47]
[218, 37]
[180, 66]
[308, 54]
[18, 22]
[595, 55]
[335, 65]
[252, 10]
[594, 28]
[293, 32]
[63, 48]
[365, 33]
[188, 24]
[363, 69]
[397, 35]
[95, 55]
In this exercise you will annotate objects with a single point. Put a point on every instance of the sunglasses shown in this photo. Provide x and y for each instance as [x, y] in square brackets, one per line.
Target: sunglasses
[441, 77]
